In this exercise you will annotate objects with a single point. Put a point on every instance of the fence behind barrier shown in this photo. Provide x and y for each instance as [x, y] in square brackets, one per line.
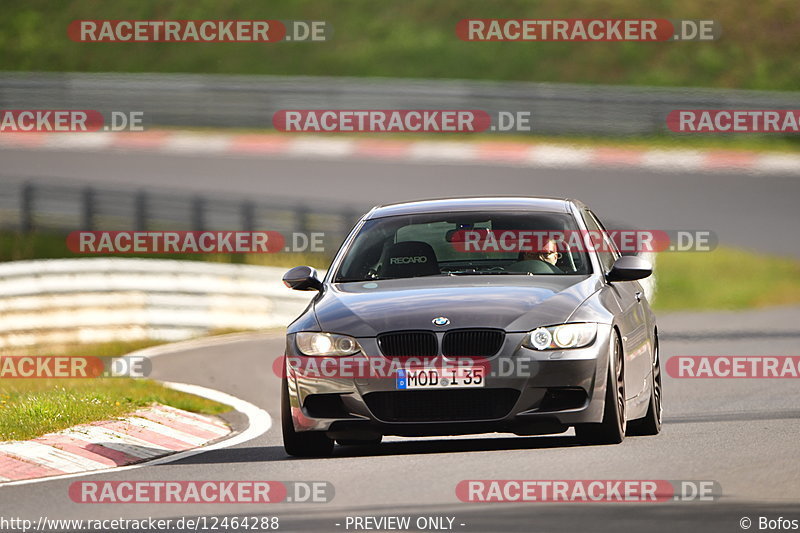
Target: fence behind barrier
[250, 101]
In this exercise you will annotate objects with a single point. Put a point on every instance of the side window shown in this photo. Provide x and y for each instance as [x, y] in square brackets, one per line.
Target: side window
[606, 255]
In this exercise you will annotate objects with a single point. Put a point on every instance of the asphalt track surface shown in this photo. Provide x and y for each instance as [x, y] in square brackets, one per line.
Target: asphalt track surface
[741, 433]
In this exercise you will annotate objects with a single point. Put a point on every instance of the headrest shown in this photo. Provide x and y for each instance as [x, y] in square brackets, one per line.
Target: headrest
[408, 259]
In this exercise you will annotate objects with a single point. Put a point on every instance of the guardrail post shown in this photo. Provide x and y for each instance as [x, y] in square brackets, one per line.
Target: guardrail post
[140, 211]
[198, 214]
[26, 207]
[301, 214]
[248, 216]
[88, 208]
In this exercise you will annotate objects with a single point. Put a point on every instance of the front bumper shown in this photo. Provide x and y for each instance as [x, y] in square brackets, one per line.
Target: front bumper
[526, 392]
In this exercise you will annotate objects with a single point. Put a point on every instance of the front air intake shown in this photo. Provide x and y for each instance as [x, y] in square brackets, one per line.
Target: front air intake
[472, 342]
[408, 344]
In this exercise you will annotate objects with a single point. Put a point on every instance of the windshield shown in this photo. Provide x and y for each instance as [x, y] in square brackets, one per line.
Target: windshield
[453, 244]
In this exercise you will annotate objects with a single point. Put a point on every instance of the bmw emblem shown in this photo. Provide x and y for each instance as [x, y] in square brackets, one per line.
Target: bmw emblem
[440, 321]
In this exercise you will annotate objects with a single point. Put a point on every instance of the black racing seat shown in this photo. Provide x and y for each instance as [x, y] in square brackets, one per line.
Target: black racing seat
[409, 259]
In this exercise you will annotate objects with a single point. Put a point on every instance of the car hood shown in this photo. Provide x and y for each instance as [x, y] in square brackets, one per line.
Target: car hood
[512, 303]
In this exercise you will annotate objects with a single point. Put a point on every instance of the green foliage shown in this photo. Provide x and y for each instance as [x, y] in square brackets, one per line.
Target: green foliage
[416, 38]
[715, 280]
[33, 407]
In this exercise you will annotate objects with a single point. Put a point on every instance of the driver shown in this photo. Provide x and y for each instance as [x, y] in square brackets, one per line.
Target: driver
[531, 261]
[548, 253]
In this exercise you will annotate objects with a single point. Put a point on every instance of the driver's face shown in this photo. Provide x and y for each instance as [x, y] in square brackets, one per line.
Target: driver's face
[550, 253]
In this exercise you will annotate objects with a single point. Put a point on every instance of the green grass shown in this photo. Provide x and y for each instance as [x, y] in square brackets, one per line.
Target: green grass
[32, 407]
[416, 38]
[725, 278]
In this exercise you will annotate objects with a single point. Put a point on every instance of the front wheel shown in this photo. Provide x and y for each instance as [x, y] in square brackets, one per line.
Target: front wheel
[612, 429]
[651, 423]
[301, 443]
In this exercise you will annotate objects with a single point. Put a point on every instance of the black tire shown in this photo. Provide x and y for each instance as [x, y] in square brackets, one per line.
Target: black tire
[651, 423]
[360, 442]
[301, 443]
[612, 429]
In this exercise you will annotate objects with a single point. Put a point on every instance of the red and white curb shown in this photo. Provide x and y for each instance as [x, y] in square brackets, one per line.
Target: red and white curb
[519, 154]
[145, 434]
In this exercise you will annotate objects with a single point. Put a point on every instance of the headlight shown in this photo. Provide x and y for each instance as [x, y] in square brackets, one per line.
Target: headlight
[561, 337]
[321, 344]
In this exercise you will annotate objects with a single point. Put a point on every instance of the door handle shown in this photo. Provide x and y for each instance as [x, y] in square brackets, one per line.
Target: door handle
[638, 295]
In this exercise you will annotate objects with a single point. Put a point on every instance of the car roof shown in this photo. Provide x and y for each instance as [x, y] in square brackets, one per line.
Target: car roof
[496, 203]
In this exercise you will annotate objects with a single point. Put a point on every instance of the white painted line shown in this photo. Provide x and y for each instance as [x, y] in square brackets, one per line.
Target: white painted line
[442, 151]
[551, 155]
[673, 160]
[777, 163]
[80, 141]
[49, 456]
[322, 147]
[188, 143]
[258, 419]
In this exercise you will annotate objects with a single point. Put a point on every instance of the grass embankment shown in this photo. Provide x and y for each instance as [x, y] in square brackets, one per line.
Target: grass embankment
[33, 407]
[725, 278]
[417, 39]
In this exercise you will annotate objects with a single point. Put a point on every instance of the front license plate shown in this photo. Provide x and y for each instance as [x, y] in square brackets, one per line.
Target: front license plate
[441, 378]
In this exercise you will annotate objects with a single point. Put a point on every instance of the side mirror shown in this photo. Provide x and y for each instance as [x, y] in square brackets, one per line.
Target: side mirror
[302, 278]
[629, 268]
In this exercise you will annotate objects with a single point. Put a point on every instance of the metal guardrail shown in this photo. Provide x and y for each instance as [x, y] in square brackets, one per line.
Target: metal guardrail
[31, 205]
[60, 301]
[250, 101]
[64, 301]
